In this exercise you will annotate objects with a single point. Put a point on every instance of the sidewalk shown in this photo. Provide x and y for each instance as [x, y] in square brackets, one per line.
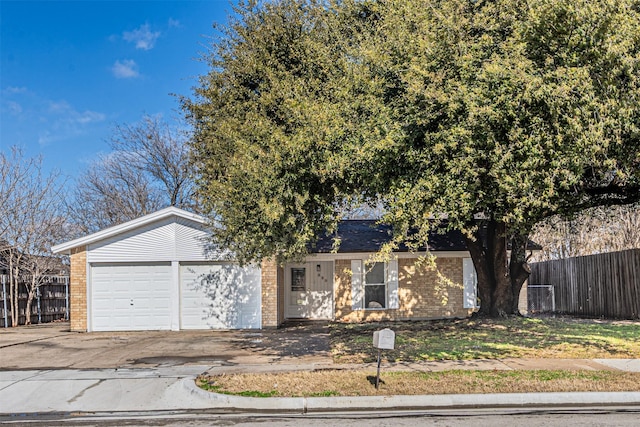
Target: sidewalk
[173, 388]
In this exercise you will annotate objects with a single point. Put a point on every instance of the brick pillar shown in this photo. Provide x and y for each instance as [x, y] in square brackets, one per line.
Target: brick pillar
[78, 290]
[269, 294]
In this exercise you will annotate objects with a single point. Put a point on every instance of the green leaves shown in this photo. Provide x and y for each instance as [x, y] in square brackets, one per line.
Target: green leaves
[511, 109]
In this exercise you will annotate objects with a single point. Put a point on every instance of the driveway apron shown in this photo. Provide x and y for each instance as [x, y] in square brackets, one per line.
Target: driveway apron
[52, 346]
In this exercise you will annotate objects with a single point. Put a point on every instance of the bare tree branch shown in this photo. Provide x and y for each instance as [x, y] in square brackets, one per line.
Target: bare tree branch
[31, 221]
[147, 170]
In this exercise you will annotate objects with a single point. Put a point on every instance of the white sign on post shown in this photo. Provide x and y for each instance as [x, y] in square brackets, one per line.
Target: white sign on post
[384, 339]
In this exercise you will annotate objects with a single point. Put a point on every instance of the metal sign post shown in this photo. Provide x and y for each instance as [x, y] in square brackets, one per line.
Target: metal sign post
[383, 340]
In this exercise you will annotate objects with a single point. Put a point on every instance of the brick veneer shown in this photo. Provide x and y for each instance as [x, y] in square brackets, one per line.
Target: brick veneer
[270, 309]
[422, 292]
[281, 297]
[78, 290]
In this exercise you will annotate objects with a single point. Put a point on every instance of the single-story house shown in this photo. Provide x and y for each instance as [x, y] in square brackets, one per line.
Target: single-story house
[159, 272]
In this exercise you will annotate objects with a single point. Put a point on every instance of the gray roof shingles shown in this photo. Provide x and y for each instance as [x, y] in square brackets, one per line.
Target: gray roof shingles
[368, 236]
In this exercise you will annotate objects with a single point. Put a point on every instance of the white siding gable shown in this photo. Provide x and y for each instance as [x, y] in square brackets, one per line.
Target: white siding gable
[168, 239]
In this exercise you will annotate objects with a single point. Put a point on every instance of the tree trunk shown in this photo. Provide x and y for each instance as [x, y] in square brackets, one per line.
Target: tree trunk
[499, 281]
[502, 296]
[519, 269]
[13, 293]
[483, 273]
[27, 311]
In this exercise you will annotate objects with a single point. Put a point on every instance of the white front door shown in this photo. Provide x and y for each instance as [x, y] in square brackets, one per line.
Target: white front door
[309, 290]
[130, 297]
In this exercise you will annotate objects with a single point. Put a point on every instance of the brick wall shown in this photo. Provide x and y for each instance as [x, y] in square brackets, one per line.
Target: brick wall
[424, 292]
[78, 290]
[270, 309]
[281, 297]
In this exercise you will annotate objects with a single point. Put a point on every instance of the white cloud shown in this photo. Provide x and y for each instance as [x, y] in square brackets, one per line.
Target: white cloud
[68, 115]
[143, 37]
[59, 107]
[90, 117]
[14, 89]
[125, 69]
[45, 120]
[45, 138]
[61, 121]
[174, 23]
[14, 108]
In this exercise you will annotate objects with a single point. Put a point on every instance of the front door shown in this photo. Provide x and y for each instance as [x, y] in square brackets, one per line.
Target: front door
[309, 290]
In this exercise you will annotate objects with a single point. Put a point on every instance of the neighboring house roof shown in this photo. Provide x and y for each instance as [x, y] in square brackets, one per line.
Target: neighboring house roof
[49, 265]
[369, 236]
[65, 248]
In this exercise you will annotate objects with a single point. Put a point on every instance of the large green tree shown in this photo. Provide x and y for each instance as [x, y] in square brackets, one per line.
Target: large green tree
[491, 114]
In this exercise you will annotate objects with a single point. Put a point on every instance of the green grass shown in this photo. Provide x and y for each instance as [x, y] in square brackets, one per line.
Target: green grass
[501, 377]
[327, 393]
[255, 393]
[483, 338]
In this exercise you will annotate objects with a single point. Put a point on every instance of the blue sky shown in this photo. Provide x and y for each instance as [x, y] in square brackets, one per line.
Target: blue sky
[71, 70]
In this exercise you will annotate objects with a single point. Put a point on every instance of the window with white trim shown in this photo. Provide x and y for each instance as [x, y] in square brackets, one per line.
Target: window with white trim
[375, 286]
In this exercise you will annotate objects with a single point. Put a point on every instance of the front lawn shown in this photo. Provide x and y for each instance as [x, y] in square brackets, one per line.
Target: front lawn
[478, 338]
[361, 382]
[483, 338]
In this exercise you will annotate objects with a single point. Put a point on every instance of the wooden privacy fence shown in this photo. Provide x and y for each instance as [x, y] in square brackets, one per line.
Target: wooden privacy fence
[603, 285]
[51, 303]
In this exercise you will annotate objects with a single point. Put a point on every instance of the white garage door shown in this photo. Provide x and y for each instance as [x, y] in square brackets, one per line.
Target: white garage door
[219, 296]
[130, 297]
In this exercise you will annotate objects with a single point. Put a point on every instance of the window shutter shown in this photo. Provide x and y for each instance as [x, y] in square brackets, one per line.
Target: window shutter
[392, 284]
[470, 281]
[357, 287]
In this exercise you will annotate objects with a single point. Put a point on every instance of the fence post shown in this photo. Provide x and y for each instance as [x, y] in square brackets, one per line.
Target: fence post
[66, 312]
[4, 299]
[38, 307]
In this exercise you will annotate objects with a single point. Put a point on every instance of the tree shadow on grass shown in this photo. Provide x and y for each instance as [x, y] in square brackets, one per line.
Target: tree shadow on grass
[292, 340]
[484, 338]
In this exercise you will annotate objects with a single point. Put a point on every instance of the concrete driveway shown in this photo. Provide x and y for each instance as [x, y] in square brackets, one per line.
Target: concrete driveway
[52, 346]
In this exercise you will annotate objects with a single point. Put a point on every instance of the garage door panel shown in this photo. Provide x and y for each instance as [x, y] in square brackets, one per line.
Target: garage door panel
[130, 297]
[221, 296]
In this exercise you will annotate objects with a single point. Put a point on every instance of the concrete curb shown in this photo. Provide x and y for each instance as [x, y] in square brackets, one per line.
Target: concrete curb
[303, 405]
